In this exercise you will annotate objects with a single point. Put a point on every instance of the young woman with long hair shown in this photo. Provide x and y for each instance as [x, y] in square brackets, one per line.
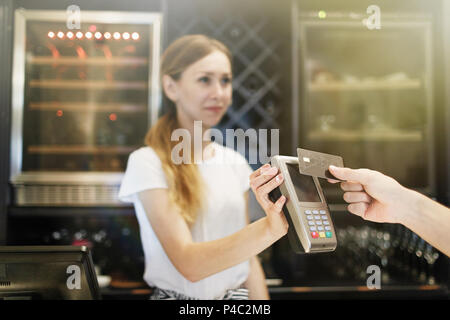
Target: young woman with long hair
[195, 230]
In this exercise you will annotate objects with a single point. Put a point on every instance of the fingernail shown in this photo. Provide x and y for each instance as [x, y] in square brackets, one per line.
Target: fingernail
[278, 178]
[332, 167]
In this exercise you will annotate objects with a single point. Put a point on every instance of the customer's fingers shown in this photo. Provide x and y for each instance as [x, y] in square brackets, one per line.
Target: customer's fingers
[363, 176]
[358, 208]
[351, 186]
[352, 197]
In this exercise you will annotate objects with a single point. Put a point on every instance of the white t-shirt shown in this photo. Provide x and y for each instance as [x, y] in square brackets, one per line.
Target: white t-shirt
[226, 175]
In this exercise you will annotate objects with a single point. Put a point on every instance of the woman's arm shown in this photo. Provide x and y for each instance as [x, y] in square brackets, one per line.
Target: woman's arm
[256, 281]
[196, 261]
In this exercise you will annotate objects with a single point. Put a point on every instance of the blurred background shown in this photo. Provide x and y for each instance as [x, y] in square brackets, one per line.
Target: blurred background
[79, 90]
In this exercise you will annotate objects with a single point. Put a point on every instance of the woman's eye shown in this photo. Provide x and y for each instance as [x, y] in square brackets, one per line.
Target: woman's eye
[226, 80]
[204, 79]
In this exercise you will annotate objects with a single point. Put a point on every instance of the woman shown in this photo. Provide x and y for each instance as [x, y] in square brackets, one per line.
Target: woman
[194, 225]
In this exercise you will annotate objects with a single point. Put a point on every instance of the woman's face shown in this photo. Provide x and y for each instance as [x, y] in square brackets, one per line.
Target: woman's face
[203, 91]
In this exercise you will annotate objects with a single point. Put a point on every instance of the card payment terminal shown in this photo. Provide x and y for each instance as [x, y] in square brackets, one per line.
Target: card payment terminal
[310, 227]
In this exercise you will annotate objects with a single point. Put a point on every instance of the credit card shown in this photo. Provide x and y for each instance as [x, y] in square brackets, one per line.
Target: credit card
[313, 163]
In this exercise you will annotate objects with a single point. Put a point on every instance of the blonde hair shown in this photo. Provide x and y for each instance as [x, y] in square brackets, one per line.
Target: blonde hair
[186, 186]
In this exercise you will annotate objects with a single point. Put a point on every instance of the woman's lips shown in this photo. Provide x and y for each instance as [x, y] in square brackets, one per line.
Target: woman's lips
[214, 109]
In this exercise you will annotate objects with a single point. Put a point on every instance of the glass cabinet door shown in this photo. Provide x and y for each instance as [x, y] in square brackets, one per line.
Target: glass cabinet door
[87, 94]
[367, 96]
[83, 100]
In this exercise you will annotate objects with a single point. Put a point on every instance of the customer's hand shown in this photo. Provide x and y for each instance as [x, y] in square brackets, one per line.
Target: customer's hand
[371, 194]
[262, 182]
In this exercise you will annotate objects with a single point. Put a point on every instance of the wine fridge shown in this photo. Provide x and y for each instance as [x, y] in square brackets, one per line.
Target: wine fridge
[367, 94]
[83, 98]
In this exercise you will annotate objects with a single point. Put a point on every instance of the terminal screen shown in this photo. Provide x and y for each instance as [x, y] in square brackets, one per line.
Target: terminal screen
[304, 185]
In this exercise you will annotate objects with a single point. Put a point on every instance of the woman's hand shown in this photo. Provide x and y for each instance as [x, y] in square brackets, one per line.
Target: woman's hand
[262, 182]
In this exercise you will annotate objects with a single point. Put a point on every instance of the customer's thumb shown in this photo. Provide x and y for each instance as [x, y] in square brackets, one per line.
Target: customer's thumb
[346, 174]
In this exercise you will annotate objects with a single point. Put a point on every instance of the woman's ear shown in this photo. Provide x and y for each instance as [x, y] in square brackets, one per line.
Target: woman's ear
[170, 88]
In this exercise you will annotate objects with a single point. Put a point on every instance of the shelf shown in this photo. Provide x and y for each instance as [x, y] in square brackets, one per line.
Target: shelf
[79, 149]
[367, 135]
[111, 293]
[365, 85]
[360, 292]
[88, 84]
[358, 288]
[87, 106]
[69, 212]
[94, 61]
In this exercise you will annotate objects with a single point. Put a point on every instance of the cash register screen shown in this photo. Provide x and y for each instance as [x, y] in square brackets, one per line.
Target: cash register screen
[304, 185]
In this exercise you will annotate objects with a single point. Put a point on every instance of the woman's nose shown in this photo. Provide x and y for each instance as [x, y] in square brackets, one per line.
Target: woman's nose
[217, 90]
